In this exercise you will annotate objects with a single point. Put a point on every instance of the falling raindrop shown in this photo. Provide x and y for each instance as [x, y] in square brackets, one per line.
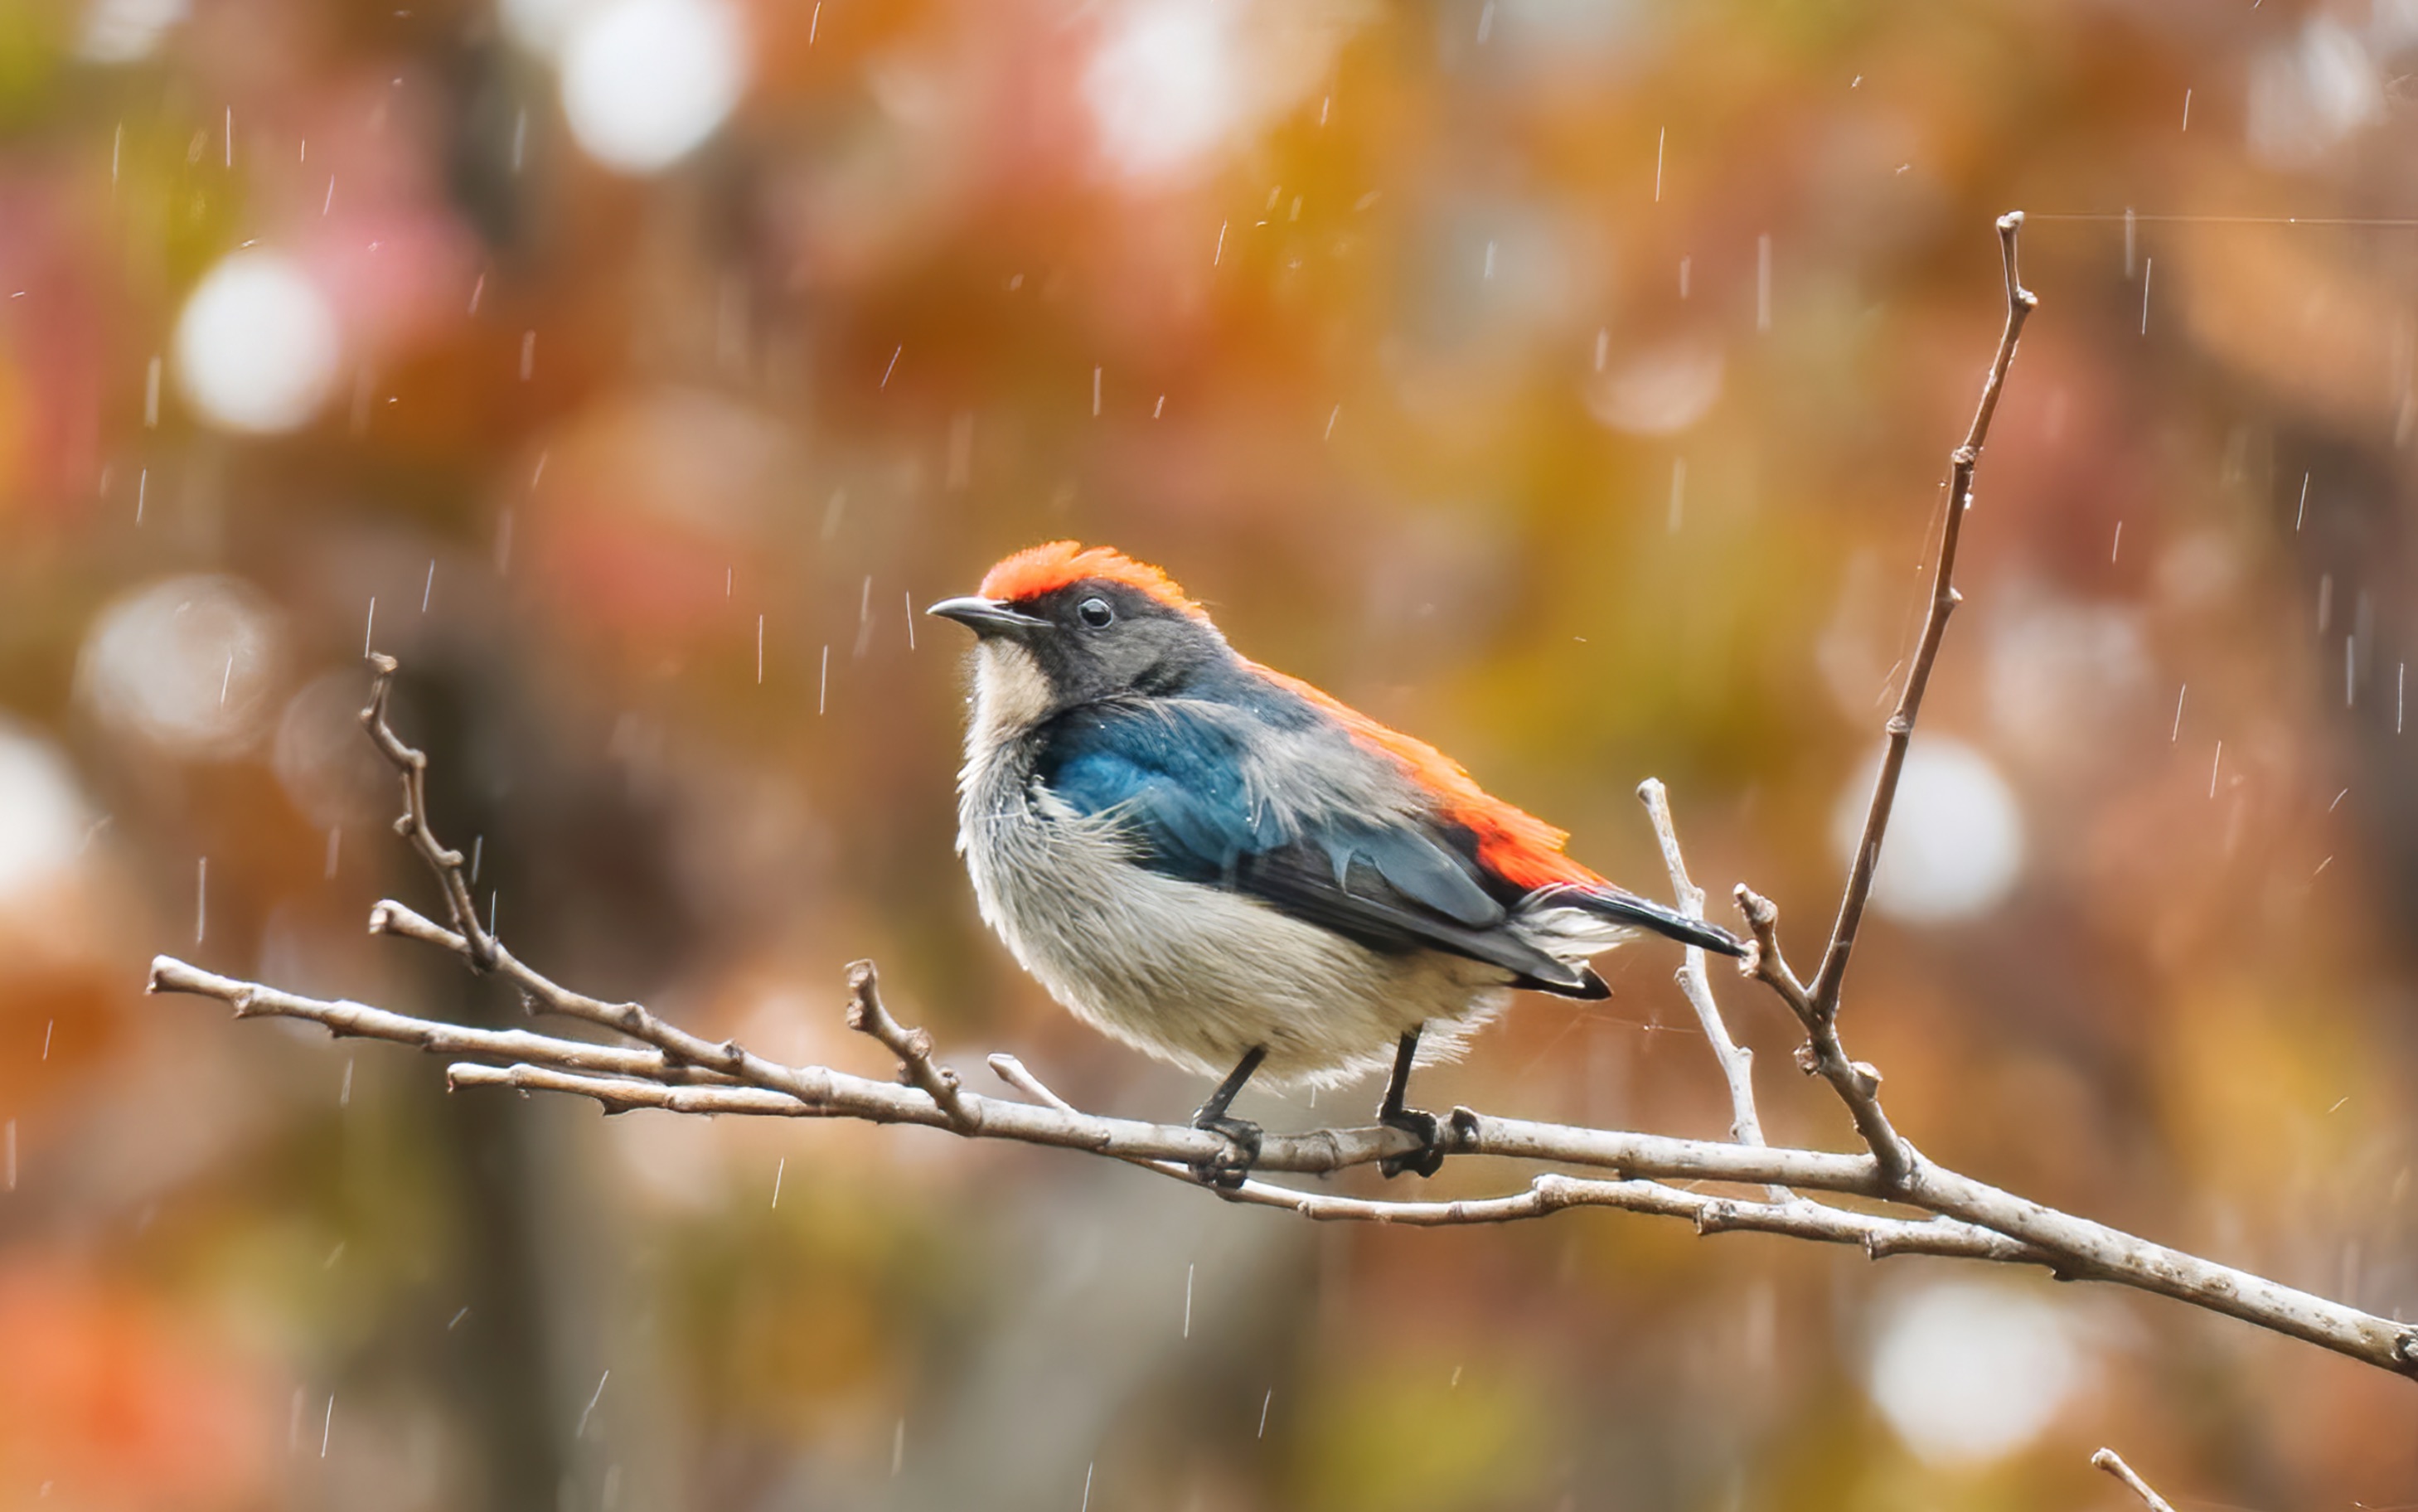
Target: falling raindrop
[581, 1432]
[202, 900]
[778, 1171]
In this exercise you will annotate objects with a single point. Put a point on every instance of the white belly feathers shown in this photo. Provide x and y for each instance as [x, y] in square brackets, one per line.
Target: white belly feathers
[1196, 975]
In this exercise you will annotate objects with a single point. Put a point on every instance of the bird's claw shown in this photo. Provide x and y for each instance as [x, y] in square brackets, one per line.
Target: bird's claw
[1230, 1169]
[1429, 1157]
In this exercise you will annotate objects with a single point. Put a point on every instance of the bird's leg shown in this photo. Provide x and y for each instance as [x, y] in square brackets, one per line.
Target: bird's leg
[1232, 1168]
[1429, 1158]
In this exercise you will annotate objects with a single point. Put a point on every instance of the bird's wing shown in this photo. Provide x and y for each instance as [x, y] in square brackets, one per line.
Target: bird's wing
[1182, 780]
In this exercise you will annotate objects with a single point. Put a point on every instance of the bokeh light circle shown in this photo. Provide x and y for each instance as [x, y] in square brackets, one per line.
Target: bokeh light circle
[1967, 1372]
[188, 663]
[43, 817]
[1955, 843]
[645, 82]
[330, 772]
[256, 345]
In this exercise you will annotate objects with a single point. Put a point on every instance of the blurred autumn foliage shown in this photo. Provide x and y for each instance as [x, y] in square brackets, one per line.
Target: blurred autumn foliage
[1566, 383]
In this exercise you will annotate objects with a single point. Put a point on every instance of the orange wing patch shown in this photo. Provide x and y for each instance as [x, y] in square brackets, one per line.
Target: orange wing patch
[1517, 846]
[1046, 568]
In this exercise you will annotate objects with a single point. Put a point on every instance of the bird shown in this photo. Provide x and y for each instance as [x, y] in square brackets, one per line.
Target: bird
[1236, 873]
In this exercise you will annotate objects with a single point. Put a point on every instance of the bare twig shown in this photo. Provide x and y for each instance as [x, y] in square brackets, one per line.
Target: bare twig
[2112, 1462]
[1858, 1084]
[1968, 1219]
[1736, 1061]
[912, 1046]
[1817, 1006]
[1944, 598]
[1950, 1214]
[411, 768]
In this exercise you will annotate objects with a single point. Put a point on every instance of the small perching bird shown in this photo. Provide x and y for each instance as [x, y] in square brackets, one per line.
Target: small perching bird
[1225, 867]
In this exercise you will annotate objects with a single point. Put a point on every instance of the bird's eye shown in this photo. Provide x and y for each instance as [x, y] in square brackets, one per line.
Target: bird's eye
[1095, 613]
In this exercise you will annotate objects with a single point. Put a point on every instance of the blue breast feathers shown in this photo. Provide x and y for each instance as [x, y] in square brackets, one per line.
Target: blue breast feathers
[1188, 782]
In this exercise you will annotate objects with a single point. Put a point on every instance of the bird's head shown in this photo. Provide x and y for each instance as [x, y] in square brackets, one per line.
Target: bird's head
[1059, 625]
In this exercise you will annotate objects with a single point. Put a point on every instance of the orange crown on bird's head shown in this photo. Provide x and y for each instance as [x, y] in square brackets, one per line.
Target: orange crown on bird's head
[1046, 568]
[1519, 846]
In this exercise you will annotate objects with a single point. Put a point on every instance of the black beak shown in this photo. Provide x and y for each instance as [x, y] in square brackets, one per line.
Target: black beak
[986, 616]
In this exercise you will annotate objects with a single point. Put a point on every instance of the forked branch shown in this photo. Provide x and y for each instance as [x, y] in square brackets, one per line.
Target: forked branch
[1898, 1203]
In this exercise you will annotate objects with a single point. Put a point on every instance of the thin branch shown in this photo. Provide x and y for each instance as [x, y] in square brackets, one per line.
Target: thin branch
[2112, 1462]
[912, 1046]
[356, 1020]
[1944, 598]
[1816, 1007]
[1970, 1219]
[1736, 1061]
[1954, 1215]
[1858, 1084]
[411, 769]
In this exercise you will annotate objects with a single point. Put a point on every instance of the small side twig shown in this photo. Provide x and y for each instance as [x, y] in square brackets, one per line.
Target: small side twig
[2112, 1462]
[912, 1046]
[1823, 1054]
[411, 767]
[1736, 1060]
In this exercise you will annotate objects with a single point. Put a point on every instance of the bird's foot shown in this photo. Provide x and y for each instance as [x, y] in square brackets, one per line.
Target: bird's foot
[1429, 1157]
[1230, 1169]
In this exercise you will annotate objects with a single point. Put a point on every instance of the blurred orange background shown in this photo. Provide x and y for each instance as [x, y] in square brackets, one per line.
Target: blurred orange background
[1568, 384]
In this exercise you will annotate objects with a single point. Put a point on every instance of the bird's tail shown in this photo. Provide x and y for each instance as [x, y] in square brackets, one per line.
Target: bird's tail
[1617, 906]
